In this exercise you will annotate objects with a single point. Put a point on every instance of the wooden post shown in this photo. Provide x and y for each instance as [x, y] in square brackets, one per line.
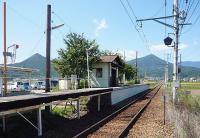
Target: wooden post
[48, 51]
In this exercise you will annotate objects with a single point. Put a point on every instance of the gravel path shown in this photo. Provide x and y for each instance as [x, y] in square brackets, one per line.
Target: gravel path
[150, 124]
[114, 127]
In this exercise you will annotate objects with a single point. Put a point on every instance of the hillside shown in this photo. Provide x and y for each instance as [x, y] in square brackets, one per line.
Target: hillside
[191, 63]
[36, 61]
[150, 65]
[153, 66]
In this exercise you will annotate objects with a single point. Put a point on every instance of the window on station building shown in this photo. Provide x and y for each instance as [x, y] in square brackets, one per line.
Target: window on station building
[99, 72]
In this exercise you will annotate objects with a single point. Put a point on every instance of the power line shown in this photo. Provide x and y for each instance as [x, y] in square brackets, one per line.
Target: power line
[131, 9]
[194, 10]
[36, 45]
[159, 10]
[197, 19]
[61, 19]
[23, 17]
[143, 36]
[165, 4]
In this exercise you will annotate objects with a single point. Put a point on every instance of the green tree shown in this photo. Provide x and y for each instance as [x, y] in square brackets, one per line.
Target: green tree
[72, 59]
[129, 71]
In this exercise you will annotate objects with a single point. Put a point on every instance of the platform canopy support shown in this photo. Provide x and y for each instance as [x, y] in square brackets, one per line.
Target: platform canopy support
[4, 124]
[39, 121]
[78, 108]
[39, 117]
[99, 103]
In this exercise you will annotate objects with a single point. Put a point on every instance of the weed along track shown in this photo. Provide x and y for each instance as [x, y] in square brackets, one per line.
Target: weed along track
[118, 123]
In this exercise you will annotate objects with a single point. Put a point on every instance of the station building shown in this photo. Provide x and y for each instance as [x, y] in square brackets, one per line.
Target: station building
[106, 72]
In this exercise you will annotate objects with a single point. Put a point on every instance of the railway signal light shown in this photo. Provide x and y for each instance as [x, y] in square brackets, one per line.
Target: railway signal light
[168, 41]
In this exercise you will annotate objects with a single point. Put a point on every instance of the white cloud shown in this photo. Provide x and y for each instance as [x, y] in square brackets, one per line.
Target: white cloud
[129, 54]
[195, 42]
[183, 46]
[161, 48]
[102, 24]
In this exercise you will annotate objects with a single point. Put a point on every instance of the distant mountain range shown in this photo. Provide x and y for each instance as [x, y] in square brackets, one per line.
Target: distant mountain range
[150, 65]
[191, 63]
[36, 61]
[153, 66]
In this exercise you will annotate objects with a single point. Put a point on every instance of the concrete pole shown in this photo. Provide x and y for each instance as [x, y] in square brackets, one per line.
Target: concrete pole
[124, 77]
[136, 66]
[5, 60]
[180, 70]
[176, 31]
[88, 70]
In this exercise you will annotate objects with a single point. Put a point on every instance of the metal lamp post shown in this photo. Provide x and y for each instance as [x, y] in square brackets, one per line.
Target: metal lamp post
[8, 54]
[88, 70]
[12, 55]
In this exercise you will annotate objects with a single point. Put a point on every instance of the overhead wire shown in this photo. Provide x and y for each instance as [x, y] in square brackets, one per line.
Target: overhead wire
[30, 22]
[191, 15]
[23, 17]
[36, 45]
[194, 10]
[141, 34]
[158, 11]
[62, 20]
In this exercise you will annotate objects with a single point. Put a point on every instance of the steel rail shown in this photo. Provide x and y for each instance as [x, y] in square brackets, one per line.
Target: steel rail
[125, 131]
[93, 127]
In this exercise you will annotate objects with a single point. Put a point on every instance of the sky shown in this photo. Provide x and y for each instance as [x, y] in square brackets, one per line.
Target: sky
[105, 21]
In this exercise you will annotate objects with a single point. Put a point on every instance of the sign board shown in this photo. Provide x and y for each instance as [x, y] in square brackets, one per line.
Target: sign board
[1, 87]
[166, 98]
[176, 84]
[73, 78]
[73, 81]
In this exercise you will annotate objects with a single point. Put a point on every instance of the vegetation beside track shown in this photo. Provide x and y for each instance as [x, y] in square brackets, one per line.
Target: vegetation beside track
[186, 112]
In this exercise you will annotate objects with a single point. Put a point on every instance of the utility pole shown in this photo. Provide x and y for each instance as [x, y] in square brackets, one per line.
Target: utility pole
[176, 32]
[4, 54]
[180, 64]
[175, 27]
[124, 77]
[136, 66]
[48, 52]
[166, 70]
[48, 49]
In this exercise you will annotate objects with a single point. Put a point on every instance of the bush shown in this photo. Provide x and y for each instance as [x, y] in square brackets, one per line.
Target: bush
[83, 84]
[189, 101]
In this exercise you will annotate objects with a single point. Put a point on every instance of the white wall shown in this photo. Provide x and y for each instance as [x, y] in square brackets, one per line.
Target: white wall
[120, 94]
[104, 81]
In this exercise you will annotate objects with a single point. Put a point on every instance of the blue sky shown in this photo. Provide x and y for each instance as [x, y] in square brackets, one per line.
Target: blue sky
[103, 20]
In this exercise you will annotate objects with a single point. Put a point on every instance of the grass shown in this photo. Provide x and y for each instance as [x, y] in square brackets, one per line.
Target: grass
[66, 111]
[63, 111]
[190, 85]
[189, 101]
[56, 89]
[151, 83]
[186, 113]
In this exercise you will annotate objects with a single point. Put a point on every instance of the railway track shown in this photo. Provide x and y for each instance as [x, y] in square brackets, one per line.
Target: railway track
[118, 124]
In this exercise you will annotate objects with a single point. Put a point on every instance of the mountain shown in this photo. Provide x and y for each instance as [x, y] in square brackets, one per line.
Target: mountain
[191, 63]
[153, 66]
[36, 61]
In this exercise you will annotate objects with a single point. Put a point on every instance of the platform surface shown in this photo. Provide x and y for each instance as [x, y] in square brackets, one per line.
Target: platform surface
[21, 101]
